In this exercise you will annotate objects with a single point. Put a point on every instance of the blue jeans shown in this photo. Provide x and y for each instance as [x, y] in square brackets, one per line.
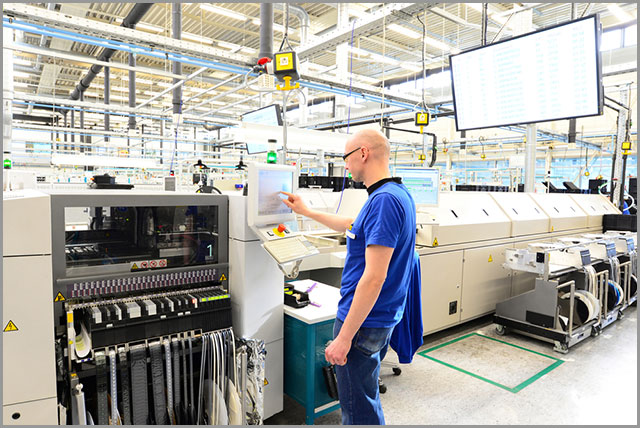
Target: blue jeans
[358, 378]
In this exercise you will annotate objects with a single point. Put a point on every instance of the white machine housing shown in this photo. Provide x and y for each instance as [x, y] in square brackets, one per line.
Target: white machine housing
[563, 212]
[29, 396]
[527, 218]
[462, 217]
[256, 285]
[595, 206]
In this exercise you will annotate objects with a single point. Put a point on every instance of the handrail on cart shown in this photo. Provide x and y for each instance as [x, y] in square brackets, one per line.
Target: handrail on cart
[572, 290]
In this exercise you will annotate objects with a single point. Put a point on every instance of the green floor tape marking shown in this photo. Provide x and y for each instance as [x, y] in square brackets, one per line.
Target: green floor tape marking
[515, 389]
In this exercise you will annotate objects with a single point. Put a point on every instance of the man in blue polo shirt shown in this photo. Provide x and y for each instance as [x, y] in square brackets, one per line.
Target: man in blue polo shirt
[376, 275]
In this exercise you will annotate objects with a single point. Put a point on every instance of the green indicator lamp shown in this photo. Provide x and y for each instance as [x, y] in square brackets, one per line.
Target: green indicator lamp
[272, 156]
[7, 164]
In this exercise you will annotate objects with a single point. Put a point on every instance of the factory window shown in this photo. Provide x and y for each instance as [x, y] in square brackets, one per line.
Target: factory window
[631, 35]
[611, 40]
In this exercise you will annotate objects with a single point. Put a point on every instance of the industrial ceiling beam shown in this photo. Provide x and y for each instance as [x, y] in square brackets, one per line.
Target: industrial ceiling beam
[40, 16]
[392, 12]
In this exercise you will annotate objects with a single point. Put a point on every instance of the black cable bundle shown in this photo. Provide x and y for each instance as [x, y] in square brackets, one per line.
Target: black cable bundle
[330, 380]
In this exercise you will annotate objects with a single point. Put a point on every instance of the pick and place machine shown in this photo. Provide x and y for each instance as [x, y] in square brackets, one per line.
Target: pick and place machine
[111, 299]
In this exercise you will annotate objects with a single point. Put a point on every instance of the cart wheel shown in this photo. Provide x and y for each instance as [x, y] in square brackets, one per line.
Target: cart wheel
[397, 371]
[381, 386]
[501, 330]
[563, 348]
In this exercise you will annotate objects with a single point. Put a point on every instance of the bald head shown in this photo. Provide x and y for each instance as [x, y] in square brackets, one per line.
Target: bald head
[373, 140]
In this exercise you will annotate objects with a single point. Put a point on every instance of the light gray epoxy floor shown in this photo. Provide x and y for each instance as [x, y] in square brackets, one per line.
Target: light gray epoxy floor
[597, 384]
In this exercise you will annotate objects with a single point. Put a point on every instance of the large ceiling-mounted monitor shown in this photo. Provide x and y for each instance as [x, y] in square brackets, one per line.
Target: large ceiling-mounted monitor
[550, 74]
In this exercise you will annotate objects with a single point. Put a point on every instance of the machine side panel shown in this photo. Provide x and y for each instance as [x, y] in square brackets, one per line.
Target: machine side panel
[441, 285]
[28, 362]
[485, 282]
[256, 286]
[40, 412]
[273, 374]
[28, 214]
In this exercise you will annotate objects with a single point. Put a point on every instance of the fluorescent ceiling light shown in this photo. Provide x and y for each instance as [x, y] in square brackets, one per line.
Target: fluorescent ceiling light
[164, 84]
[234, 95]
[384, 59]
[21, 84]
[619, 13]
[217, 103]
[358, 13]
[21, 61]
[118, 98]
[235, 48]
[438, 44]
[143, 26]
[143, 81]
[149, 27]
[410, 67]
[223, 11]
[359, 51]
[197, 38]
[21, 74]
[475, 6]
[404, 31]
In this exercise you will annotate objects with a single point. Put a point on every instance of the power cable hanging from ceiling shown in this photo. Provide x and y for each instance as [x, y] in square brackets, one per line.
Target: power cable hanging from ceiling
[424, 66]
[285, 36]
[384, 52]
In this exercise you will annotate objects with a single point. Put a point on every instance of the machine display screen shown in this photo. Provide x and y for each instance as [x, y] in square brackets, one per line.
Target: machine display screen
[270, 183]
[550, 74]
[144, 237]
[422, 183]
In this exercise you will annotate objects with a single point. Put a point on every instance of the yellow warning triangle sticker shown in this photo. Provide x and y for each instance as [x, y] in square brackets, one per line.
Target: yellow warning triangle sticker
[266, 382]
[135, 266]
[59, 297]
[223, 278]
[490, 258]
[435, 242]
[10, 327]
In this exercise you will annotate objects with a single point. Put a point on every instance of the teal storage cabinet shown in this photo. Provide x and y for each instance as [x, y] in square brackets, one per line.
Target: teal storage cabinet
[306, 334]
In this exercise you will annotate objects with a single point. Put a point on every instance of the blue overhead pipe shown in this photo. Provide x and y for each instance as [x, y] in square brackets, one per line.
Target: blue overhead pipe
[164, 55]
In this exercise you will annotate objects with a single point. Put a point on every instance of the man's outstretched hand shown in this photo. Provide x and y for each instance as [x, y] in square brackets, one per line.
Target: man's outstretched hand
[296, 203]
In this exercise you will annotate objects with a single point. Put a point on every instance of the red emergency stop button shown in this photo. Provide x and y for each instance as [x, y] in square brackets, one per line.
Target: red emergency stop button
[281, 228]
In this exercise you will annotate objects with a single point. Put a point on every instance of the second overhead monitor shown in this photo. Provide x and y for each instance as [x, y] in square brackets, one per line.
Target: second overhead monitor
[269, 115]
[422, 183]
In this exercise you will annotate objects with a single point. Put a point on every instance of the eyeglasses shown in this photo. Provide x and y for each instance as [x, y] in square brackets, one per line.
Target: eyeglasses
[344, 157]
